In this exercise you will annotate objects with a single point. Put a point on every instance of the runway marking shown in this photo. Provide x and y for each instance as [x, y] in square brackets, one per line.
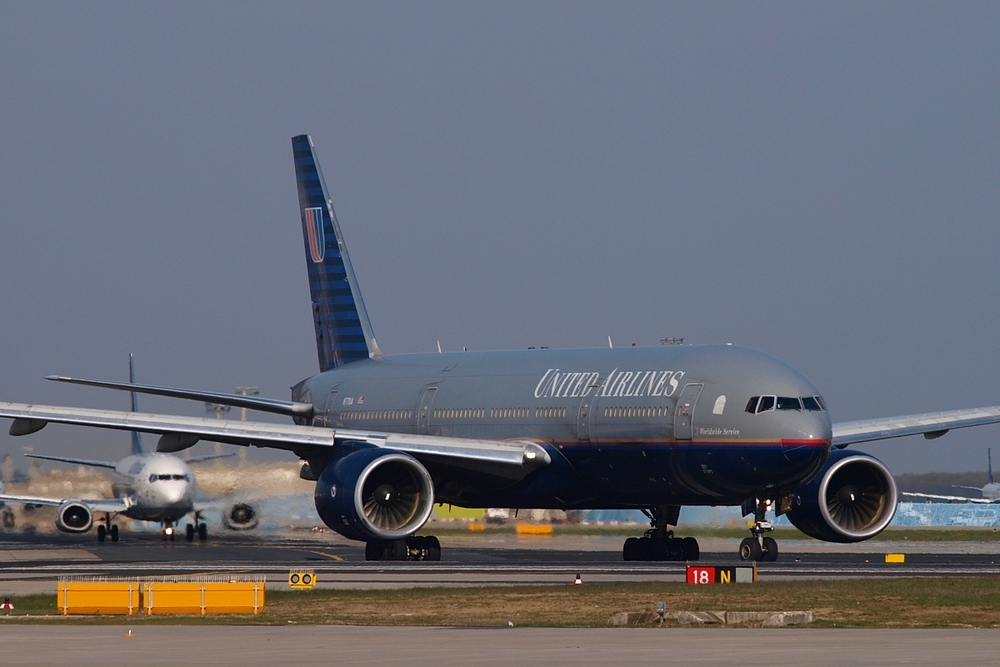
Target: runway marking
[325, 555]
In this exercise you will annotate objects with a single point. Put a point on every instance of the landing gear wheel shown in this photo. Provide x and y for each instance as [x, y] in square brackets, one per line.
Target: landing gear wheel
[202, 532]
[750, 550]
[433, 547]
[101, 533]
[189, 533]
[114, 533]
[770, 550]
[630, 550]
[8, 519]
[689, 546]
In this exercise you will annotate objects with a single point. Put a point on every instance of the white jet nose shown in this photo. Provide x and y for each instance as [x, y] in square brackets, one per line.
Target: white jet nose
[174, 493]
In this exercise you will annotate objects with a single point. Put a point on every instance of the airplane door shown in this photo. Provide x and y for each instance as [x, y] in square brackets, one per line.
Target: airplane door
[583, 418]
[424, 411]
[684, 412]
[329, 406]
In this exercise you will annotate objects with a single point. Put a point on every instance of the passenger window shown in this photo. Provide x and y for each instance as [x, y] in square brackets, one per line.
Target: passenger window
[810, 403]
[789, 403]
[752, 404]
[766, 403]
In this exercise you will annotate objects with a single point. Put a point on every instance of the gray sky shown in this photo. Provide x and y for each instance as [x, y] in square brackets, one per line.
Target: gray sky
[818, 181]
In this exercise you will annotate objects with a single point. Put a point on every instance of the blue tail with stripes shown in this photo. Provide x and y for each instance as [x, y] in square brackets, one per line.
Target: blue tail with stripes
[134, 407]
[343, 331]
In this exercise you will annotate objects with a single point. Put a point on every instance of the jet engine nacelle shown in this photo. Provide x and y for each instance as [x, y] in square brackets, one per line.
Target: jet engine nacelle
[375, 494]
[852, 499]
[74, 517]
[240, 516]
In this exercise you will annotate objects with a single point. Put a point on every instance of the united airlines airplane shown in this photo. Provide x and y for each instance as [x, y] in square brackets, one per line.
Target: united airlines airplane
[146, 487]
[649, 428]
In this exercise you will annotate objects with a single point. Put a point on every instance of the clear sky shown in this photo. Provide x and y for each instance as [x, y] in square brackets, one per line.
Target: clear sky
[816, 180]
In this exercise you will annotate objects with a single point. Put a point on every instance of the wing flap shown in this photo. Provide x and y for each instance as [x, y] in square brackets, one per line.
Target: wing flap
[930, 424]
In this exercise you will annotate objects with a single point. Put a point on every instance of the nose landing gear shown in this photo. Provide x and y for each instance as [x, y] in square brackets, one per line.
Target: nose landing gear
[659, 543]
[198, 528]
[105, 530]
[759, 548]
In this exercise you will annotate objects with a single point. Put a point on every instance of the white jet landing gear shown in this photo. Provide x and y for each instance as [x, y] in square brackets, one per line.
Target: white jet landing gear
[659, 542]
[105, 530]
[198, 528]
[759, 548]
[411, 549]
[168, 531]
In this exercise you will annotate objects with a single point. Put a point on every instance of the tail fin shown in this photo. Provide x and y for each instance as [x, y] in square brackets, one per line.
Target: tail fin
[134, 406]
[989, 464]
[343, 331]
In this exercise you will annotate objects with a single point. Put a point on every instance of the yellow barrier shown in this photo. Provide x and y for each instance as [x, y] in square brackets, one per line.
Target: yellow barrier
[895, 558]
[99, 597]
[533, 529]
[203, 598]
[197, 595]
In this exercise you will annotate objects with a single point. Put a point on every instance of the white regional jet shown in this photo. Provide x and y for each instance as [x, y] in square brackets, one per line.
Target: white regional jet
[991, 492]
[147, 487]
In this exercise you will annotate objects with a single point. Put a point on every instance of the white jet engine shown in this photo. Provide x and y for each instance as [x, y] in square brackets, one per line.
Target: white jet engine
[74, 517]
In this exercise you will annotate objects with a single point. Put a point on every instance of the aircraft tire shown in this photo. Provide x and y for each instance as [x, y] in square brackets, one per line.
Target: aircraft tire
[114, 533]
[101, 533]
[189, 533]
[691, 550]
[630, 550]
[770, 549]
[750, 550]
[8, 519]
[202, 532]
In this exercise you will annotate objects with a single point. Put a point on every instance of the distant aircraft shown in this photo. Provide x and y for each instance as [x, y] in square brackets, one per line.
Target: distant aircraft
[147, 487]
[648, 428]
[990, 492]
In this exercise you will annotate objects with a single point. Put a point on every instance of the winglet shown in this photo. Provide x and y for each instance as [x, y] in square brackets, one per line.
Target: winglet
[343, 331]
[134, 406]
[989, 465]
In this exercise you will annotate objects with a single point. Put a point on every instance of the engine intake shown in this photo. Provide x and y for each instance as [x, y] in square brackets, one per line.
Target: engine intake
[852, 499]
[240, 516]
[375, 494]
[74, 517]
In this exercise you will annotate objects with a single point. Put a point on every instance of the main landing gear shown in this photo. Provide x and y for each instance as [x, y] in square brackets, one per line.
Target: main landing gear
[199, 527]
[659, 542]
[758, 547]
[410, 548]
[105, 530]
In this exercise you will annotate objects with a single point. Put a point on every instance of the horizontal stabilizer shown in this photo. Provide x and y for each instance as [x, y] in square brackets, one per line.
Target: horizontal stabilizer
[287, 408]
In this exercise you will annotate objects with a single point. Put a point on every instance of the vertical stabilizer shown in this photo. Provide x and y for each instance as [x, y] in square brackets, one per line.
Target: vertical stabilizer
[343, 332]
[134, 406]
[989, 464]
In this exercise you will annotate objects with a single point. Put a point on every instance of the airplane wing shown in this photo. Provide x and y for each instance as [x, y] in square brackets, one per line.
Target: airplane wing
[208, 457]
[83, 462]
[510, 459]
[930, 424]
[110, 505]
[963, 499]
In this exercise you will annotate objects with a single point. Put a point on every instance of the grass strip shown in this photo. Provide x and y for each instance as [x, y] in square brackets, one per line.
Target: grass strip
[868, 603]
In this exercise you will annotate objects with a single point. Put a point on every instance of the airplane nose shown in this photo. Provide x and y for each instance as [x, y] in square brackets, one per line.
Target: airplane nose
[804, 434]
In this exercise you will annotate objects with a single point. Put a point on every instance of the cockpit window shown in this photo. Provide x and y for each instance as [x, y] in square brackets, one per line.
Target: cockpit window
[758, 404]
[166, 478]
[789, 403]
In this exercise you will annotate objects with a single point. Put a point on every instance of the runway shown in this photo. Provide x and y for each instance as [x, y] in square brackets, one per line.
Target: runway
[86, 646]
[30, 564]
